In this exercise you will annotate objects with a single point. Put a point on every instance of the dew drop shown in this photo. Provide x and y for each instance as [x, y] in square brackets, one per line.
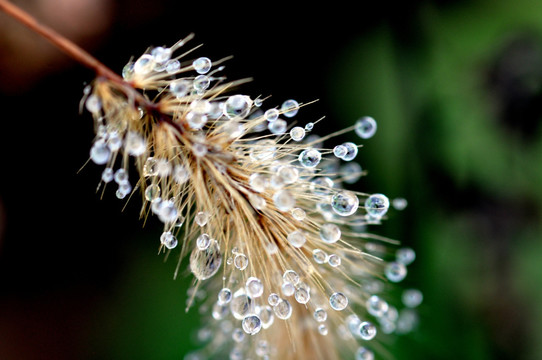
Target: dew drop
[289, 108]
[180, 88]
[376, 306]
[168, 240]
[241, 305]
[203, 241]
[291, 277]
[339, 151]
[161, 54]
[135, 144]
[273, 299]
[254, 287]
[201, 83]
[271, 115]
[338, 301]
[205, 263]
[172, 66]
[219, 311]
[302, 295]
[196, 120]
[320, 315]
[121, 176]
[405, 255]
[287, 289]
[297, 238]
[152, 192]
[377, 205]
[412, 298]
[240, 261]
[283, 310]
[202, 65]
[299, 214]
[322, 329]
[237, 106]
[93, 104]
[277, 127]
[266, 316]
[238, 335]
[297, 133]
[180, 174]
[362, 353]
[351, 172]
[351, 151]
[107, 175]
[330, 233]
[252, 324]
[224, 296]
[365, 127]
[367, 330]
[399, 203]
[288, 174]
[284, 200]
[319, 256]
[201, 218]
[395, 271]
[344, 203]
[144, 64]
[310, 158]
[100, 153]
[334, 260]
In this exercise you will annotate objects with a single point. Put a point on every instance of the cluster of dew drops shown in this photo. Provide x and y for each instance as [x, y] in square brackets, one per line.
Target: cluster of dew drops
[240, 303]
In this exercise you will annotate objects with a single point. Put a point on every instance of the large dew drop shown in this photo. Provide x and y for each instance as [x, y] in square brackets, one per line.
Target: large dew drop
[205, 263]
[345, 203]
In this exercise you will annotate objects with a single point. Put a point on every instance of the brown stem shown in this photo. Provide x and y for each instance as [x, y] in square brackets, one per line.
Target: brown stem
[58, 40]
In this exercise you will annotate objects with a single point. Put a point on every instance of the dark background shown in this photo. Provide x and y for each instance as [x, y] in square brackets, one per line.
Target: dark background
[454, 85]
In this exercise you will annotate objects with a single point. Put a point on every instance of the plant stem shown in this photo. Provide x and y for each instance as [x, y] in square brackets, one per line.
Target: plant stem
[59, 41]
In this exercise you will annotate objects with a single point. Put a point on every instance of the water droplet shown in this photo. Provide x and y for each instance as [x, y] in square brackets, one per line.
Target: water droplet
[180, 174]
[266, 315]
[395, 272]
[199, 150]
[309, 126]
[121, 176]
[93, 104]
[338, 301]
[351, 172]
[273, 299]
[161, 54]
[203, 241]
[339, 151]
[224, 296]
[351, 151]
[363, 353]
[167, 211]
[297, 133]
[289, 108]
[100, 153]
[365, 127]
[377, 205]
[376, 306]
[254, 287]
[180, 88]
[168, 240]
[202, 65]
[201, 83]
[240, 261]
[320, 315]
[135, 144]
[172, 66]
[399, 203]
[195, 120]
[367, 330]
[271, 115]
[283, 310]
[144, 64]
[152, 192]
[320, 257]
[291, 277]
[237, 106]
[412, 298]
[283, 199]
[201, 218]
[310, 158]
[302, 295]
[107, 175]
[241, 305]
[334, 260]
[344, 203]
[287, 289]
[205, 263]
[128, 71]
[322, 329]
[330, 233]
[219, 311]
[299, 214]
[252, 324]
[288, 174]
[297, 238]
[277, 127]
[238, 335]
[405, 255]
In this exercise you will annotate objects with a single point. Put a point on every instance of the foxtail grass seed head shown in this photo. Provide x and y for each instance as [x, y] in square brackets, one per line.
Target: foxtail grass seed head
[275, 237]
